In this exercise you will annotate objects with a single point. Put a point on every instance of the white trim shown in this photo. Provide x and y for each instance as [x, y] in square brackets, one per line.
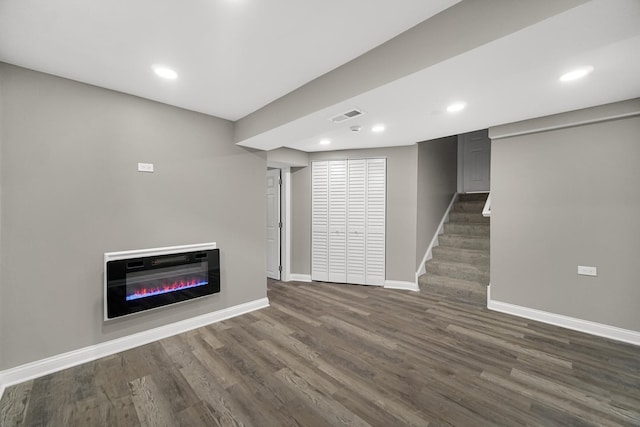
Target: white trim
[570, 123]
[593, 328]
[397, 284]
[274, 173]
[59, 362]
[300, 277]
[113, 256]
[486, 211]
[434, 241]
[286, 219]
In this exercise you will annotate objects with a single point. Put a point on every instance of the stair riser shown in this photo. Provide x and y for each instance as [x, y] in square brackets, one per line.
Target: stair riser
[480, 259]
[471, 207]
[467, 217]
[459, 271]
[466, 229]
[471, 197]
[462, 295]
[463, 243]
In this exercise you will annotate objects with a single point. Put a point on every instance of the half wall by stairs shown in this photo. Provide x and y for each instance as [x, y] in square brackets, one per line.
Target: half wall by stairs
[459, 268]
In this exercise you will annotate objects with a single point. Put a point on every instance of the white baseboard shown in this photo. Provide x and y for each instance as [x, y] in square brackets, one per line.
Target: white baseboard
[52, 364]
[434, 241]
[300, 277]
[397, 284]
[593, 328]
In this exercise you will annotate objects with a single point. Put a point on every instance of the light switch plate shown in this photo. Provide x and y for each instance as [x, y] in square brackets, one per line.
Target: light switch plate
[145, 167]
[587, 271]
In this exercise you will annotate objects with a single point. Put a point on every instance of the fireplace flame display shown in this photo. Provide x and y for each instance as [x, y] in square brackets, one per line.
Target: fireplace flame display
[144, 290]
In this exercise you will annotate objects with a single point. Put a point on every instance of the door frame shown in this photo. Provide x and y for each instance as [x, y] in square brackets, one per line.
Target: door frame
[462, 138]
[275, 173]
[285, 217]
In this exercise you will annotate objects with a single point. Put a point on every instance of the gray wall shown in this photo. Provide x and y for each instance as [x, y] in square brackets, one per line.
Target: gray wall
[301, 220]
[456, 30]
[401, 209]
[287, 157]
[70, 192]
[563, 198]
[437, 180]
[1, 291]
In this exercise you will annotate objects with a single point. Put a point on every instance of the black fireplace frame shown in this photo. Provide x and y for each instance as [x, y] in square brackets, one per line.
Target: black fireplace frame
[116, 271]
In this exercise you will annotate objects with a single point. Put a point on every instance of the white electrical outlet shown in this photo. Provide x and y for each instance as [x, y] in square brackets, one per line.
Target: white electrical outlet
[145, 167]
[587, 271]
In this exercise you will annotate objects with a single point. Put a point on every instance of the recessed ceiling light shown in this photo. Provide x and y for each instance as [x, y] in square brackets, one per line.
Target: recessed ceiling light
[165, 72]
[377, 128]
[576, 74]
[456, 106]
[325, 142]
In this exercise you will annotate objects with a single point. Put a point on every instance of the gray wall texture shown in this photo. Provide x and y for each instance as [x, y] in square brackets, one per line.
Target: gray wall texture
[70, 192]
[401, 209]
[437, 181]
[567, 197]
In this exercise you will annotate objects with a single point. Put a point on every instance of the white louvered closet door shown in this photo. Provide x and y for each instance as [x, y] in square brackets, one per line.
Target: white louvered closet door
[375, 221]
[320, 221]
[356, 222]
[348, 221]
[338, 221]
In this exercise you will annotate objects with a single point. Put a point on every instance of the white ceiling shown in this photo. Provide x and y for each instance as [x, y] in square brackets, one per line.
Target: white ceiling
[232, 56]
[513, 78]
[236, 56]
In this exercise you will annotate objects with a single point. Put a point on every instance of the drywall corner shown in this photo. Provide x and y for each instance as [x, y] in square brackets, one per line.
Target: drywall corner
[437, 178]
[287, 157]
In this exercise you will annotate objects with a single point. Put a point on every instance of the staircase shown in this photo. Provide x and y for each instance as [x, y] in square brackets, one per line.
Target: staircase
[459, 269]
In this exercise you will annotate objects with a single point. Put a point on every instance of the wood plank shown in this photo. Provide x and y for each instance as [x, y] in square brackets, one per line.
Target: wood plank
[14, 404]
[153, 408]
[331, 354]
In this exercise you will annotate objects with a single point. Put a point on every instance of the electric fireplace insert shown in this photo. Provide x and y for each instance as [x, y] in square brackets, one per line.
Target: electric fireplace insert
[143, 280]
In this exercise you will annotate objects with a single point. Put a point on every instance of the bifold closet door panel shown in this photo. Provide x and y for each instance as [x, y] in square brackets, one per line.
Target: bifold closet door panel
[338, 221]
[356, 221]
[320, 221]
[348, 221]
[376, 220]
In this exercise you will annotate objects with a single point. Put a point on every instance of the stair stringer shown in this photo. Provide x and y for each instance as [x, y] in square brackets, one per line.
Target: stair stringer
[434, 241]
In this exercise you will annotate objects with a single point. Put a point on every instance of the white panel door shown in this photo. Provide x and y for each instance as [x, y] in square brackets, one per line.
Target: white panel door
[320, 221]
[376, 187]
[356, 222]
[273, 224]
[476, 161]
[338, 221]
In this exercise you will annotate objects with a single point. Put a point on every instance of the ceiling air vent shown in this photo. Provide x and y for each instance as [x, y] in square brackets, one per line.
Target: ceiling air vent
[346, 116]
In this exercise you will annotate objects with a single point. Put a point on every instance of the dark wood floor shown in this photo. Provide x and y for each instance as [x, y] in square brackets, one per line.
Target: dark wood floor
[326, 354]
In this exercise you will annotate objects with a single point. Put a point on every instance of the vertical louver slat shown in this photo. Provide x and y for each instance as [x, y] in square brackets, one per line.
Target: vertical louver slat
[375, 221]
[319, 221]
[337, 221]
[356, 220]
